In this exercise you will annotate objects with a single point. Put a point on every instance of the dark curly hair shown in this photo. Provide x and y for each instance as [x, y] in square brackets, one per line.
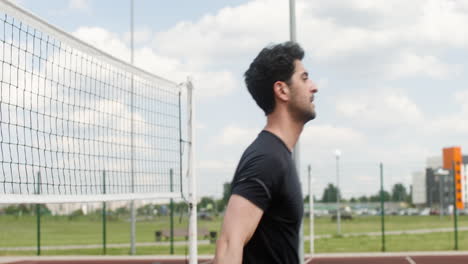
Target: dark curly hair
[274, 63]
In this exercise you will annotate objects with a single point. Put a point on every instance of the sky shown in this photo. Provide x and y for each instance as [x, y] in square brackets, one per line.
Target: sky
[391, 77]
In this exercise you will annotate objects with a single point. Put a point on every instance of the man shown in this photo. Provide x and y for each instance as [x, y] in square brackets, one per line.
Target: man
[264, 212]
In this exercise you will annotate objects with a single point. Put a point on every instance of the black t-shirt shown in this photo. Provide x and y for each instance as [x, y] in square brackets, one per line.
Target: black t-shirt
[267, 177]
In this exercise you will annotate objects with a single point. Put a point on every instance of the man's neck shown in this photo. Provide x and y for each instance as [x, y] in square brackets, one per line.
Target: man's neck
[285, 128]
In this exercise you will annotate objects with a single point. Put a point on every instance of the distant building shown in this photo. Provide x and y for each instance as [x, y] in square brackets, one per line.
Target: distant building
[431, 189]
[440, 189]
[465, 179]
[419, 188]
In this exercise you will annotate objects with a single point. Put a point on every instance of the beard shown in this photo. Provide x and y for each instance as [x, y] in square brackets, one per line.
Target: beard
[301, 113]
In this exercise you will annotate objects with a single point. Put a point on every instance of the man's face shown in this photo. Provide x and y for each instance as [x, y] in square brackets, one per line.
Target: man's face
[302, 88]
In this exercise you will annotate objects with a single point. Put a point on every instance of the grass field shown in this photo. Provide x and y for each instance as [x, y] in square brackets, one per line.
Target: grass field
[59, 230]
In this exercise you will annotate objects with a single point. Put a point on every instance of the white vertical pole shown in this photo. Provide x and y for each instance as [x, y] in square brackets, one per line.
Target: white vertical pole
[193, 250]
[132, 203]
[311, 214]
[338, 213]
[296, 152]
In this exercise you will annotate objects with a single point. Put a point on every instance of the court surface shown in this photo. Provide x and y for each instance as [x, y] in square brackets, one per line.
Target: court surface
[358, 258]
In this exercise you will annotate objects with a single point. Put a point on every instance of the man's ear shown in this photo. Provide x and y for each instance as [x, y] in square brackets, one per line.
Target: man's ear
[281, 91]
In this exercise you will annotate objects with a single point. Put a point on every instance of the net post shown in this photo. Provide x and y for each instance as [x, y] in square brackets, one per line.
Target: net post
[132, 141]
[193, 251]
[38, 215]
[171, 173]
[104, 217]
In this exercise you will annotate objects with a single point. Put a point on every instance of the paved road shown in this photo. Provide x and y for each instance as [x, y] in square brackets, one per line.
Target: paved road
[447, 257]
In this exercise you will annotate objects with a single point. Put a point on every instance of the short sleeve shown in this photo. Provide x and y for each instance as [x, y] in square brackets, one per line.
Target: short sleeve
[257, 181]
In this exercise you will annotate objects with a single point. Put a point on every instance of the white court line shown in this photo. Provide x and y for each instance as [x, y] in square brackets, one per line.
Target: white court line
[410, 260]
[308, 260]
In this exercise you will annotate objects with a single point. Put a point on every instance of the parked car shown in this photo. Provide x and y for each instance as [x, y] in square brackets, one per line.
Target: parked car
[412, 211]
[425, 211]
[344, 215]
[204, 215]
[434, 212]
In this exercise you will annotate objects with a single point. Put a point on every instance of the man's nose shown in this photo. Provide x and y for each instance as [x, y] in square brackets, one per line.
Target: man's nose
[313, 87]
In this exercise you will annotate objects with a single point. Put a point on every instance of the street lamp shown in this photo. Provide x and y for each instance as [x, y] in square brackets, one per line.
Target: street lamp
[441, 172]
[338, 213]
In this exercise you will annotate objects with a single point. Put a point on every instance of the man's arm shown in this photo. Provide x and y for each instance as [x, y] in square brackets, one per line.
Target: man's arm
[240, 221]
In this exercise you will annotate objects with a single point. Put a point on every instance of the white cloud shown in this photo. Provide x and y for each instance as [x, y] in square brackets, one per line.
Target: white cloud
[208, 83]
[461, 97]
[140, 35]
[230, 33]
[218, 165]
[80, 5]
[382, 107]
[330, 137]
[104, 40]
[233, 135]
[441, 22]
[449, 125]
[410, 65]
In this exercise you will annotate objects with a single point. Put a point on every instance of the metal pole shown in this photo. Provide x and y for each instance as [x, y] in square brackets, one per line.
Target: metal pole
[193, 236]
[338, 213]
[38, 215]
[441, 202]
[132, 143]
[296, 150]
[382, 208]
[455, 211]
[292, 20]
[171, 173]
[311, 214]
[104, 217]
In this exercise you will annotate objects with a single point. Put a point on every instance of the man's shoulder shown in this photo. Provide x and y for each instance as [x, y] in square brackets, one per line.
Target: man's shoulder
[259, 152]
[268, 144]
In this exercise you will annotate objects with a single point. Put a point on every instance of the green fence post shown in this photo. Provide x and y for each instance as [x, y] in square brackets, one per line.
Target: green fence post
[382, 209]
[38, 215]
[455, 211]
[104, 214]
[171, 172]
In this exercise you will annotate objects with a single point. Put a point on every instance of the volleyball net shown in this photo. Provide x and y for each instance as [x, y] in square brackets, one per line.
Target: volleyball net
[78, 125]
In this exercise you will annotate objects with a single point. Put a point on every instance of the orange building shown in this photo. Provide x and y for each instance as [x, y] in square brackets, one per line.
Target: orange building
[453, 161]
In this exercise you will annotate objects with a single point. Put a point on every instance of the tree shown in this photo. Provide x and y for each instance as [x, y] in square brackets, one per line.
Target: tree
[363, 199]
[20, 209]
[376, 198]
[121, 211]
[399, 193]
[26, 209]
[206, 203]
[75, 214]
[221, 204]
[180, 207]
[353, 200]
[329, 194]
[226, 192]
[409, 198]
